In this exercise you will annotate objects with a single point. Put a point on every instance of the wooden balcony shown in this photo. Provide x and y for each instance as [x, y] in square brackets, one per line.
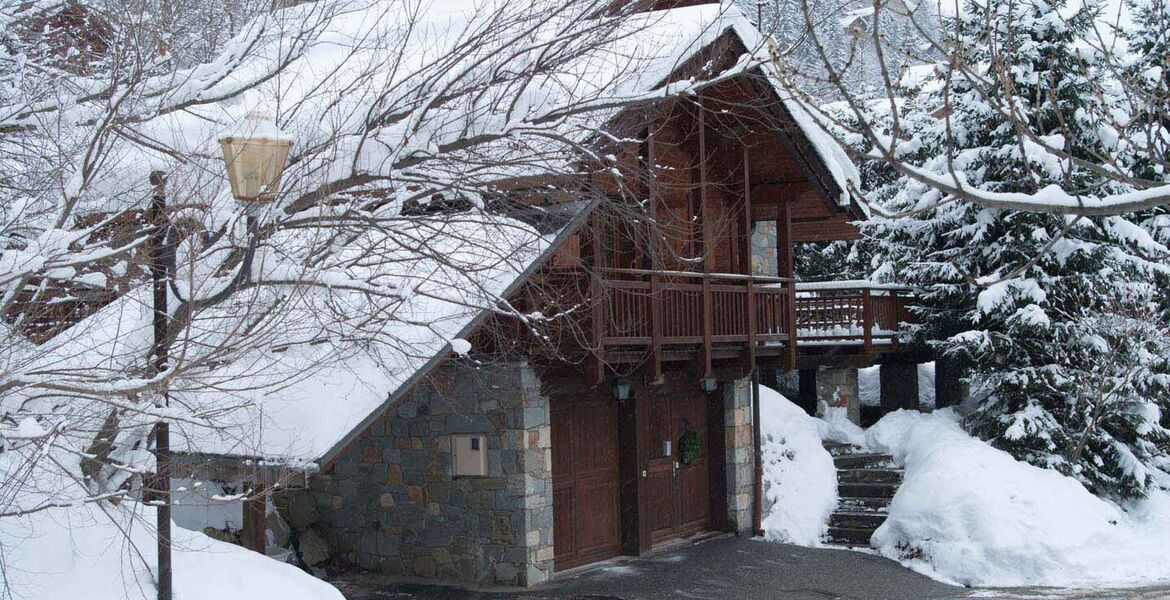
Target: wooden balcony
[721, 314]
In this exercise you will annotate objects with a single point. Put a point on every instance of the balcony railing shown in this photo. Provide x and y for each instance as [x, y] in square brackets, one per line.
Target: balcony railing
[643, 307]
[849, 312]
[679, 307]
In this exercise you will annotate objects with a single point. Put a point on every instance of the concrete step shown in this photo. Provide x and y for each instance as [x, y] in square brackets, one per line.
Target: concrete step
[864, 460]
[869, 475]
[867, 490]
[857, 520]
[877, 505]
[848, 536]
[840, 448]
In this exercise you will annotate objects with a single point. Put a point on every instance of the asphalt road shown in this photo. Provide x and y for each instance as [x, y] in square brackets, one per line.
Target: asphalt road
[724, 568]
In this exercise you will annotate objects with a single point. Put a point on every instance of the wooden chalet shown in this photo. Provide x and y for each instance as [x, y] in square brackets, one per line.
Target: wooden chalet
[637, 428]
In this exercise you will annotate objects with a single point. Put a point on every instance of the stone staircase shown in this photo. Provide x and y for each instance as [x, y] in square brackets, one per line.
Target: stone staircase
[865, 484]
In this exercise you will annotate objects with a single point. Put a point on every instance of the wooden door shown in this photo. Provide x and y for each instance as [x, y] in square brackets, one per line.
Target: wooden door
[676, 496]
[586, 513]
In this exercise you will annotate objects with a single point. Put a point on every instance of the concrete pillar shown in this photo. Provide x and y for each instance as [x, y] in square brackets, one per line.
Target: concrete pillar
[785, 382]
[807, 396]
[737, 427]
[837, 387]
[951, 387]
[899, 386]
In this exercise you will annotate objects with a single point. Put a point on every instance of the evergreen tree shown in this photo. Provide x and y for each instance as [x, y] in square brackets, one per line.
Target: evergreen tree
[1058, 317]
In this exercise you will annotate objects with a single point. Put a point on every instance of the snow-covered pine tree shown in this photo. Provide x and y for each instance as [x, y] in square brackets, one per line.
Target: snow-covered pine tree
[1055, 315]
[1145, 135]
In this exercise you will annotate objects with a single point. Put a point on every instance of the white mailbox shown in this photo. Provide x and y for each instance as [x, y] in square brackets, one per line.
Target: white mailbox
[469, 455]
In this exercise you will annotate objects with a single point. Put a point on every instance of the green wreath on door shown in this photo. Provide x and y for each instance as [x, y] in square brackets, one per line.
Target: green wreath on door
[689, 446]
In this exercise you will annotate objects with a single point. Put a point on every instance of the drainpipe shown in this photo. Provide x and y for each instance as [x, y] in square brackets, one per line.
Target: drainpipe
[758, 487]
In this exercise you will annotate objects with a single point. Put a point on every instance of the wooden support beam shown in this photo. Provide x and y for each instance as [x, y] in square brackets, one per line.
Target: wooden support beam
[655, 262]
[708, 236]
[747, 261]
[596, 368]
[254, 535]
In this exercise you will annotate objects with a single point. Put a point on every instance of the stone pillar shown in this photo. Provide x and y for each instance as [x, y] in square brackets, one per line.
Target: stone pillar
[950, 382]
[533, 481]
[837, 387]
[899, 386]
[740, 461]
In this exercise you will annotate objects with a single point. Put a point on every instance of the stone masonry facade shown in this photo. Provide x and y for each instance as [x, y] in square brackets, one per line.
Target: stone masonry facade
[738, 433]
[390, 504]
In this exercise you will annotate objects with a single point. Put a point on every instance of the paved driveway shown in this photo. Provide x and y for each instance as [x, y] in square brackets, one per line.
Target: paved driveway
[724, 568]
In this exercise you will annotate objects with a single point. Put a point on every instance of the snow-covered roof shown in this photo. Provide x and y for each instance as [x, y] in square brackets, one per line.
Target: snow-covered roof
[363, 60]
[304, 379]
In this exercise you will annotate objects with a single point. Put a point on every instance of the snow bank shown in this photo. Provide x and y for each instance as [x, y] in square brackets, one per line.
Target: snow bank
[869, 386]
[926, 385]
[105, 551]
[973, 514]
[800, 481]
[870, 390]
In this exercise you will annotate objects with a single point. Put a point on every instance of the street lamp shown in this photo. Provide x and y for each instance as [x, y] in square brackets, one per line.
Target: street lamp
[255, 157]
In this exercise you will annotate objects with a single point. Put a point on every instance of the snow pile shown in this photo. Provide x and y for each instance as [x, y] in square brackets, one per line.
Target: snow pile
[85, 553]
[101, 550]
[800, 481]
[972, 514]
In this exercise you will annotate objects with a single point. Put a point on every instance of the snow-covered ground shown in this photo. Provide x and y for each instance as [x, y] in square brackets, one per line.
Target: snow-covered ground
[966, 513]
[100, 550]
[84, 552]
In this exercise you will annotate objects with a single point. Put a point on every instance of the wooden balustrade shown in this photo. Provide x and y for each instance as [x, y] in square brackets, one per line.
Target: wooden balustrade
[676, 308]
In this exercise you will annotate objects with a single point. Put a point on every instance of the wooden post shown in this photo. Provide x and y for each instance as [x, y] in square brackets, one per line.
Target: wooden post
[655, 265]
[704, 207]
[597, 297]
[896, 314]
[254, 536]
[867, 318]
[160, 261]
[747, 260]
[784, 267]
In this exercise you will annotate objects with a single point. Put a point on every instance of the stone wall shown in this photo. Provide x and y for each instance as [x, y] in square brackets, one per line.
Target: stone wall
[737, 423]
[389, 502]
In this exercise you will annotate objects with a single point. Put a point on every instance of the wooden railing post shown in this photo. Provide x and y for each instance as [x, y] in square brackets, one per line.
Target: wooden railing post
[752, 326]
[790, 356]
[867, 317]
[656, 328]
[707, 326]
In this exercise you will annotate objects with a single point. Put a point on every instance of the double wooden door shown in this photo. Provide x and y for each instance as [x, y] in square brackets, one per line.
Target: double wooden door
[675, 496]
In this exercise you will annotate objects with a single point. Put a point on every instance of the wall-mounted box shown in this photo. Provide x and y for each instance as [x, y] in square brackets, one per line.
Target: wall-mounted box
[469, 455]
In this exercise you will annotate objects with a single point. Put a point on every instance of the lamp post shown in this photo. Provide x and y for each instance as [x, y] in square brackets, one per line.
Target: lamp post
[255, 158]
